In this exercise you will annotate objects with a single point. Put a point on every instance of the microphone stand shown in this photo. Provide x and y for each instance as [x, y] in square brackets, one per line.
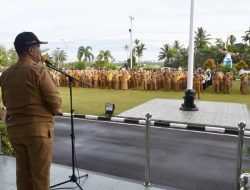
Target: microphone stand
[73, 177]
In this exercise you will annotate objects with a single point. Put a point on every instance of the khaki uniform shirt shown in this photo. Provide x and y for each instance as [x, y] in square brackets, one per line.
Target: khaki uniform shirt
[31, 99]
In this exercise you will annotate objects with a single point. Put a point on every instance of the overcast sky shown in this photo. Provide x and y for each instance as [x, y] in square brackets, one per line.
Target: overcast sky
[104, 24]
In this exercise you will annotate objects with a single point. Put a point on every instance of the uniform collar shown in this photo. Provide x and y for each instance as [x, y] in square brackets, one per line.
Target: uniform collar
[26, 61]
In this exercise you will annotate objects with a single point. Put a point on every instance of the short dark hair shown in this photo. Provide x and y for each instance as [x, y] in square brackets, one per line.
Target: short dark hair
[22, 50]
[25, 40]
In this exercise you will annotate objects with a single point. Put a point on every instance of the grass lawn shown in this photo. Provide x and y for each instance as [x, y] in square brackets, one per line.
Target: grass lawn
[92, 101]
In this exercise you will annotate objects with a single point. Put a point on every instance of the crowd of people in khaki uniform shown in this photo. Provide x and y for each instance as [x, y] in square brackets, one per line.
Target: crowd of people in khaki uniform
[175, 80]
[123, 79]
[32, 100]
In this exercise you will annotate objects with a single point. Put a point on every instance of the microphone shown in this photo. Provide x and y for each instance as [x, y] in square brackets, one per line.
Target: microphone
[46, 61]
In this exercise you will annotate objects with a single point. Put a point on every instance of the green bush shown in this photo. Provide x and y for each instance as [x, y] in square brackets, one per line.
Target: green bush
[111, 66]
[6, 146]
[151, 67]
[100, 64]
[80, 65]
[224, 69]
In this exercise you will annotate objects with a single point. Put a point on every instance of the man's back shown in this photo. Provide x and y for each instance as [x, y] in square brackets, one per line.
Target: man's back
[29, 94]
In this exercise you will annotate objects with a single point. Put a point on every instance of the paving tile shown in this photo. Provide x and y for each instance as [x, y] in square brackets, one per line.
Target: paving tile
[9, 187]
[125, 185]
[60, 173]
[210, 113]
[102, 180]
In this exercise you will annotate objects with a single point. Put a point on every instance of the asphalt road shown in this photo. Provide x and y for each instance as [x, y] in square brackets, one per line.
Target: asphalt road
[180, 159]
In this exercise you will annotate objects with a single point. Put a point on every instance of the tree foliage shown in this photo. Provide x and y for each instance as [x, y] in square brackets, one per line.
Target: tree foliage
[86, 53]
[80, 65]
[209, 63]
[59, 57]
[173, 55]
[139, 49]
[176, 56]
[201, 40]
[103, 64]
[3, 56]
[105, 55]
[241, 65]
[6, 146]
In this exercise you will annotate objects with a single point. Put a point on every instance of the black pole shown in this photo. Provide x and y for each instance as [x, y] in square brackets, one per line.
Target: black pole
[73, 177]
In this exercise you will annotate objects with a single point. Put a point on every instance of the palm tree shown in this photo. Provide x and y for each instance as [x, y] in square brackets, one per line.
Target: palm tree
[219, 43]
[59, 57]
[248, 31]
[104, 55]
[231, 39]
[137, 42]
[126, 47]
[177, 45]
[246, 37]
[85, 52]
[138, 49]
[164, 53]
[201, 40]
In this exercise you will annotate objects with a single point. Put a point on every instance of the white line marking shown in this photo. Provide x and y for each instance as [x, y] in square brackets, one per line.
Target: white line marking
[66, 114]
[91, 117]
[117, 119]
[178, 125]
[215, 129]
[142, 121]
[165, 128]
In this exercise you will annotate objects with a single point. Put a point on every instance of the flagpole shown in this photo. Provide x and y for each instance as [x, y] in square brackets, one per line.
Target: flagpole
[189, 97]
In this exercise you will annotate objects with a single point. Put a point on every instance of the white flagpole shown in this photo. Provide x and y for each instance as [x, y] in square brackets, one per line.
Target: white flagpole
[191, 49]
[131, 42]
[189, 97]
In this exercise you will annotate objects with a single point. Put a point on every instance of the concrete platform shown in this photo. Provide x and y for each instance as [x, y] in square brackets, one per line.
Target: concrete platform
[60, 173]
[218, 114]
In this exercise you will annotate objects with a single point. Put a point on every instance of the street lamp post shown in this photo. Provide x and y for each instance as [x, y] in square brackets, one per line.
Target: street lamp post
[131, 42]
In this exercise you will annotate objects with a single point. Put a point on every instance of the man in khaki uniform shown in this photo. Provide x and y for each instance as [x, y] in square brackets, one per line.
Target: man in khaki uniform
[144, 83]
[96, 76]
[109, 79]
[244, 89]
[116, 80]
[31, 99]
[103, 79]
[197, 85]
[216, 83]
[228, 80]
[124, 81]
[167, 81]
[154, 80]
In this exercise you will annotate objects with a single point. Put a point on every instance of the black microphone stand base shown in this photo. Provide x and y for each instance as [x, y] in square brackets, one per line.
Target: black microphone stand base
[73, 179]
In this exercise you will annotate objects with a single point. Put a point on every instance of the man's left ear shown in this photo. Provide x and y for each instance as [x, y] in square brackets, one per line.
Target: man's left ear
[31, 50]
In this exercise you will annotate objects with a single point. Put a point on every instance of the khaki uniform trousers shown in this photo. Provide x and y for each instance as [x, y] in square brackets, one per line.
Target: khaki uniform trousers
[33, 161]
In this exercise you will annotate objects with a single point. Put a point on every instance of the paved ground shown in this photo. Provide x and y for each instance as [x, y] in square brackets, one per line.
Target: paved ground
[60, 173]
[180, 159]
[218, 114]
